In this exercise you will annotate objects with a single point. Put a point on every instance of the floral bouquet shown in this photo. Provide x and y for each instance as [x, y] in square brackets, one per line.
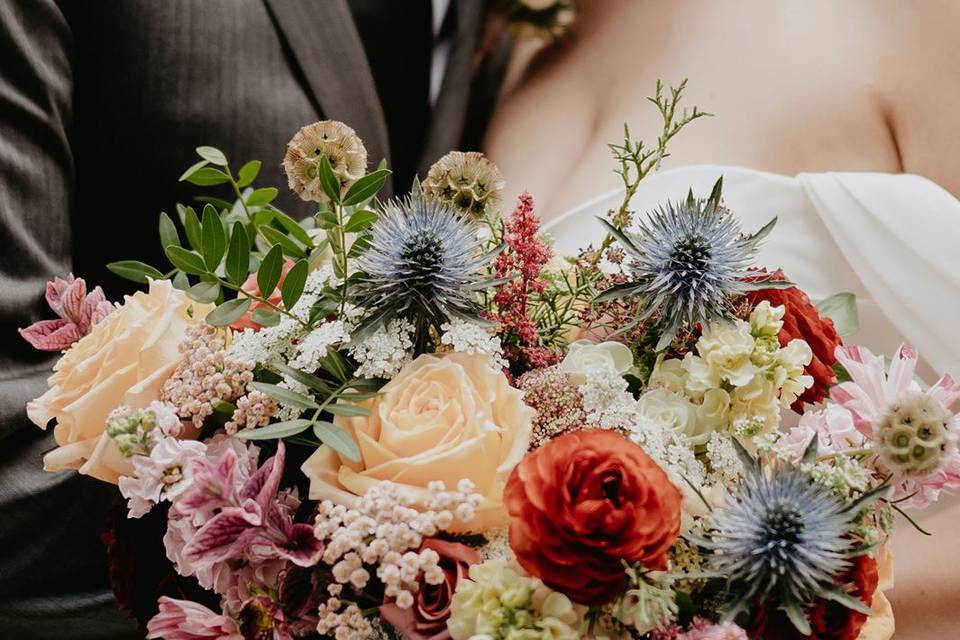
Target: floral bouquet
[412, 419]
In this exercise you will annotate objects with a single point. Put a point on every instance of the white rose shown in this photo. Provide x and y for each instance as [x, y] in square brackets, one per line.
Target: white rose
[673, 411]
[714, 411]
[670, 374]
[584, 355]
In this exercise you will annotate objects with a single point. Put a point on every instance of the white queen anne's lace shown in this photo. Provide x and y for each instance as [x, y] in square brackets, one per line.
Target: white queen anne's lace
[386, 351]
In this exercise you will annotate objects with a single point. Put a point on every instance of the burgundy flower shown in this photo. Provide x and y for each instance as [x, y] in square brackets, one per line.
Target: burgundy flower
[77, 312]
[427, 618]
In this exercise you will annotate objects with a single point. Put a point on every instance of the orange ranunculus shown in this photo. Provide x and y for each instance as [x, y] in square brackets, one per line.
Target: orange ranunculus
[582, 504]
[802, 320]
[250, 286]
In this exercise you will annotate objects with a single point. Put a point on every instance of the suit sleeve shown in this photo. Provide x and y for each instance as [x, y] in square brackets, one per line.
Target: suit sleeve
[53, 567]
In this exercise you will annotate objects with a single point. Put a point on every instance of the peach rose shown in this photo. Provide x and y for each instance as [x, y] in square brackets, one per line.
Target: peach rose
[441, 418]
[123, 360]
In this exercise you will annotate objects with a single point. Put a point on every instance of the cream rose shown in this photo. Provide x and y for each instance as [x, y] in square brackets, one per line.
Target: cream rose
[584, 355]
[673, 411]
[441, 418]
[124, 360]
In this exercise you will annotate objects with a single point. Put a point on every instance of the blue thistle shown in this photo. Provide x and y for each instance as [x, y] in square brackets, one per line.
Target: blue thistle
[689, 261]
[424, 260]
[784, 537]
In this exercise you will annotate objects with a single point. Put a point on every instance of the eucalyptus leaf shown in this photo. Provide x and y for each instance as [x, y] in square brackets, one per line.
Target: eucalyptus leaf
[347, 410]
[186, 261]
[181, 281]
[134, 270]
[212, 155]
[213, 236]
[262, 196]
[204, 292]
[270, 270]
[304, 378]
[228, 312]
[842, 309]
[192, 170]
[168, 231]
[366, 187]
[248, 173]
[334, 364]
[285, 396]
[276, 431]
[329, 180]
[337, 439]
[266, 317]
[292, 287]
[238, 255]
[207, 177]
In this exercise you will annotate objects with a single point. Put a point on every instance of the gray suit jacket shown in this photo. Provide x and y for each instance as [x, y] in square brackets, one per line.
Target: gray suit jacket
[101, 105]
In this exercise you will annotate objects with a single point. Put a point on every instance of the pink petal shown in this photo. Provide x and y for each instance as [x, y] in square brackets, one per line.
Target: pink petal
[51, 335]
[55, 291]
[263, 485]
[946, 390]
[72, 300]
[212, 484]
[902, 370]
[865, 369]
[225, 535]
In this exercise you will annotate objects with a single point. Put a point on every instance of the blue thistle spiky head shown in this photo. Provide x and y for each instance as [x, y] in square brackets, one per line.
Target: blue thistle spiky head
[783, 538]
[689, 260]
[423, 261]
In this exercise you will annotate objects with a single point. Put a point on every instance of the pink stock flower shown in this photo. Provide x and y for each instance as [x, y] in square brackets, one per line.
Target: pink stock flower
[77, 312]
[162, 475]
[914, 432]
[185, 620]
[252, 515]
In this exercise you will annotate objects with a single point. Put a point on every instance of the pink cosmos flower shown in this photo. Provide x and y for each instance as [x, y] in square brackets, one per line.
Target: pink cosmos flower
[185, 620]
[913, 431]
[77, 312]
[162, 475]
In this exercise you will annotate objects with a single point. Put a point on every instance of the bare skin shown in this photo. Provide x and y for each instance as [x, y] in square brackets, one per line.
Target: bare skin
[819, 85]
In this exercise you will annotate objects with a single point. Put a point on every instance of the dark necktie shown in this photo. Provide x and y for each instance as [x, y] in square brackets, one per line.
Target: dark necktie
[397, 37]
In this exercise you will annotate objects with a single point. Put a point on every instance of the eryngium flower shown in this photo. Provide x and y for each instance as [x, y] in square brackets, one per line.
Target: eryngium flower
[335, 140]
[689, 260]
[783, 538]
[466, 181]
[424, 259]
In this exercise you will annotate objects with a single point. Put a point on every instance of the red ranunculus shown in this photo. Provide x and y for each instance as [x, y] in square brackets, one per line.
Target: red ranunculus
[802, 320]
[828, 619]
[582, 504]
[427, 618]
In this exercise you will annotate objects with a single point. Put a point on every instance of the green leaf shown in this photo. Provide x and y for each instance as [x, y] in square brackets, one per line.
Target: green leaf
[238, 255]
[262, 196]
[212, 155]
[214, 238]
[270, 270]
[134, 270]
[304, 378]
[360, 221]
[168, 231]
[207, 177]
[186, 261]
[366, 187]
[181, 281]
[348, 410]
[191, 224]
[292, 287]
[337, 439]
[329, 180]
[248, 173]
[293, 228]
[228, 312]
[219, 203]
[285, 396]
[204, 292]
[326, 219]
[334, 364]
[277, 237]
[266, 317]
[276, 431]
[842, 309]
[620, 236]
[192, 170]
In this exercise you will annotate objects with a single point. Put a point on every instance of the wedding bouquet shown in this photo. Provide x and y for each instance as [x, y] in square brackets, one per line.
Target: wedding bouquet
[413, 419]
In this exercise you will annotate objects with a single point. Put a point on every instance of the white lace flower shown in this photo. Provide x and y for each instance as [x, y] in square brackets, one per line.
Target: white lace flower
[471, 338]
[386, 351]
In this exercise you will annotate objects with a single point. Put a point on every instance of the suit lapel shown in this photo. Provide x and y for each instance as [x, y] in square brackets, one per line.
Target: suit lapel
[449, 112]
[324, 41]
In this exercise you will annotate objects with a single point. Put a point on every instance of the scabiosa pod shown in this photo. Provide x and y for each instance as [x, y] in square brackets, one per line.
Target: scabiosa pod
[689, 262]
[423, 263]
[783, 538]
[466, 181]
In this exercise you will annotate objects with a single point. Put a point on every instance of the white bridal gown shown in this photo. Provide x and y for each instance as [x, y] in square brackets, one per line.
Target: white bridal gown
[891, 239]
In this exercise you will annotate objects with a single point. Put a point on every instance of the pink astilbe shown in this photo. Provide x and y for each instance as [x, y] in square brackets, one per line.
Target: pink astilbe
[185, 620]
[522, 259]
[77, 312]
[253, 515]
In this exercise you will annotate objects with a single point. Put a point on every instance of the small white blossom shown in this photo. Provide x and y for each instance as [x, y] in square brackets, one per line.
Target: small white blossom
[385, 352]
[471, 338]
